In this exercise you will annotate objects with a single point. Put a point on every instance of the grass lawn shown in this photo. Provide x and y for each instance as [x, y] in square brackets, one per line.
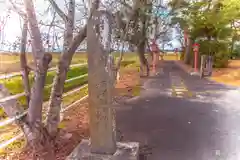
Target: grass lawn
[15, 85]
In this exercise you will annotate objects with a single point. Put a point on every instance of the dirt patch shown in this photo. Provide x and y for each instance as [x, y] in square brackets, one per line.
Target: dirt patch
[234, 64]
[74, 126]
[229, 75]
[128, 85]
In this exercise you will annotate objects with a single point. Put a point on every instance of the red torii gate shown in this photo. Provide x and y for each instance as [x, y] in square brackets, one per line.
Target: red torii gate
[195, 50]
[155, 50]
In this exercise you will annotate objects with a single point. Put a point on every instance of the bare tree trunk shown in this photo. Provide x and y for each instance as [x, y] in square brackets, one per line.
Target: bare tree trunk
[42, 60]
[31, 124]
[37, 137]
[58, 84]
[48, 33]
[70, 46]
[232, 45]
[187, 56]
[150, 56]
[35, 134]
[144, 67]
[23, 61]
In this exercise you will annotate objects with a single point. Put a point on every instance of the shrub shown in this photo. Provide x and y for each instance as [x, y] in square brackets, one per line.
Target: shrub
[236, 52]
[219, 51]
[220, 59]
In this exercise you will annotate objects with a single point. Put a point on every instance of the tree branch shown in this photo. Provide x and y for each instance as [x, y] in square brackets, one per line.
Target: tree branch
[81, 35]
[42, 60]
[51, 25]
[58, 10]
[53, 117]
[23, 60]
[49, 29]
[18, 10]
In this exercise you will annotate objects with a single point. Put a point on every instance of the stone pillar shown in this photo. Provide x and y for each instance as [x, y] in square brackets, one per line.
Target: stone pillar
[101, 79]
[202, 65]
[210, 65]
[102, 121]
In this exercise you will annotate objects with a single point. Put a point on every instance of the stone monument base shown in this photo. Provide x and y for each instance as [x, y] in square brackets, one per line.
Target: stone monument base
[125, 151]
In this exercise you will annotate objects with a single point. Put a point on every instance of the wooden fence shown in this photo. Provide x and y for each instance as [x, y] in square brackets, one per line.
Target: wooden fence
[9, 121]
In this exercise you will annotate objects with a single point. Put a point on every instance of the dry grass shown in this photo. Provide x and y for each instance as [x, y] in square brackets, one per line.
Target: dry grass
[11, 62]
[230, 75]
[129, 83]
[234, 64]
[171, 57]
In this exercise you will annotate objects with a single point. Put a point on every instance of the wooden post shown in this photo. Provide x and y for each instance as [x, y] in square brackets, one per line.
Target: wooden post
[195, 50]
[176, 52]
[195, 61]
[155, 60]
[100, 84]
[185, 36]
[210, 65]
[202, 66]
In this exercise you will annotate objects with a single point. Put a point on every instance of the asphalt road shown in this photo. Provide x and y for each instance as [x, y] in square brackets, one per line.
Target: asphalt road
[183, 117]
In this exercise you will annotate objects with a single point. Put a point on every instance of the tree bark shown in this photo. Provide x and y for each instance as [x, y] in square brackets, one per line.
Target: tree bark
[23, 61]
[31, 124]
[43, 146]
[150, 56]
[187, 57]
[53, 117]
[42, 60]
[35, 134]
[144, 67]
[34, 131]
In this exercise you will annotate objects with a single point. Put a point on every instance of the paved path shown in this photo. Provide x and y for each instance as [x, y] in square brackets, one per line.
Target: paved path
[183, 117]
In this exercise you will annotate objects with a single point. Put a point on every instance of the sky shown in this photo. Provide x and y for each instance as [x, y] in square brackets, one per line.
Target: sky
[12, 29]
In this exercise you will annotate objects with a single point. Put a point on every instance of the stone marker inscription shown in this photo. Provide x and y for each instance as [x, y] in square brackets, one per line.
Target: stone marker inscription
[100, 71]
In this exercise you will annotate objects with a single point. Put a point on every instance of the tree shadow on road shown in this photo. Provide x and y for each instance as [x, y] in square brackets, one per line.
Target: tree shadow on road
[202, 127]
[178, 128]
